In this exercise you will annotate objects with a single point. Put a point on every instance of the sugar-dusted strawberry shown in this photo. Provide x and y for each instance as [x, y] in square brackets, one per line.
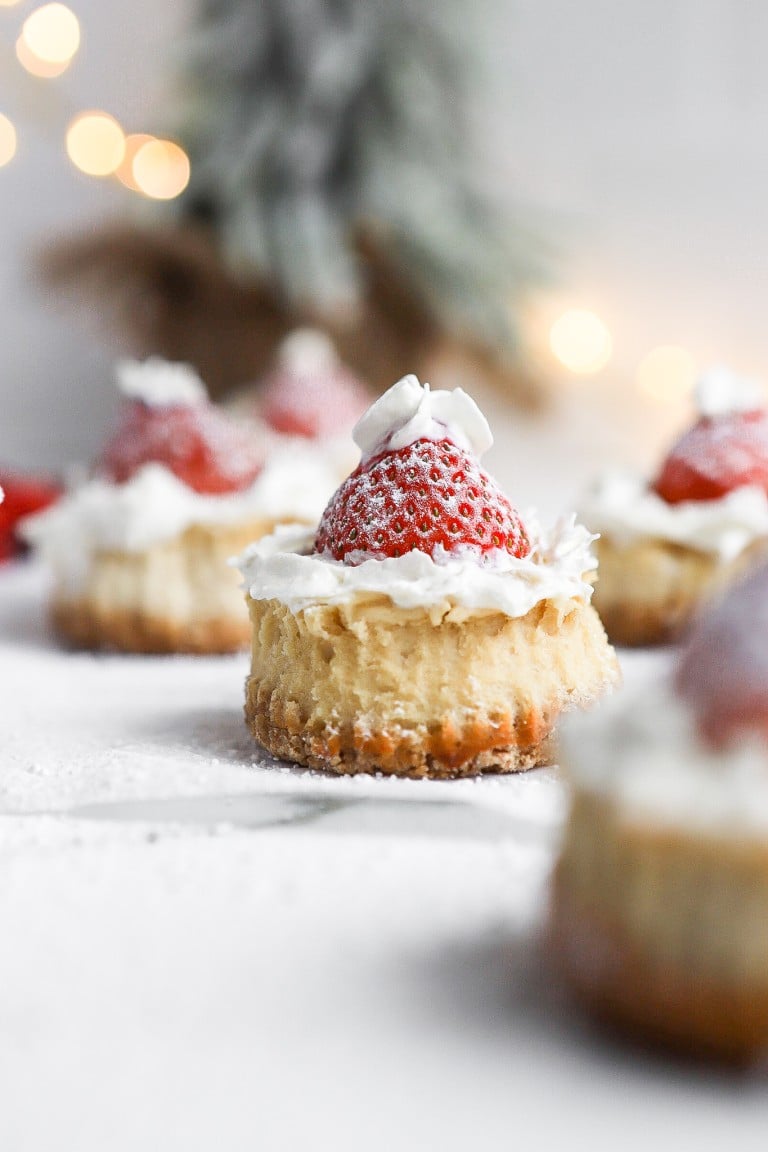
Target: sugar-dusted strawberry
[723, 669]
[24, 495]
[168, 420]
[429, 496]
[310, 392]
[720, 453]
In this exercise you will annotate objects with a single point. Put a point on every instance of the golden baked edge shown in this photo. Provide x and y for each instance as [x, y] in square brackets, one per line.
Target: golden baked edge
[651, 1002]
[85, 625]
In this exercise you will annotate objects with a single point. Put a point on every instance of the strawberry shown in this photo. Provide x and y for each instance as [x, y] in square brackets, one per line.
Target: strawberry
[313, 402]
[723, 670]
[203, 447]
[717, 455]
[426, 496]
[24, 495]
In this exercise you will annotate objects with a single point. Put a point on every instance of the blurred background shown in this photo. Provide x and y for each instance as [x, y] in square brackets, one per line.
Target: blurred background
[632, 138]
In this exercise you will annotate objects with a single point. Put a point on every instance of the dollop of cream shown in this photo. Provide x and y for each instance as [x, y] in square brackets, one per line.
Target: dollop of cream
[411, 411]
[720, 391]
[154, 506]
[160, 383]
[641, 750]
[282, 567]
[306, 351]
[622, 507]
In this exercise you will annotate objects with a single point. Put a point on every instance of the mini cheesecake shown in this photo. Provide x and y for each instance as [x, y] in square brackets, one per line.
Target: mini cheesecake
[668, 546]
[424, 629]
[660, 898]
[139, 552]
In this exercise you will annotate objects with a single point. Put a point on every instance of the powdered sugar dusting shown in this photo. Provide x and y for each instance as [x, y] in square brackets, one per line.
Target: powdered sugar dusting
[724, 667]
[201, 445]
[311, 393]
[426, 496]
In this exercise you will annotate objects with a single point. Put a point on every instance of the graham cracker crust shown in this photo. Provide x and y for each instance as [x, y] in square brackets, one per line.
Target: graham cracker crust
[445, 753]
[82, 626]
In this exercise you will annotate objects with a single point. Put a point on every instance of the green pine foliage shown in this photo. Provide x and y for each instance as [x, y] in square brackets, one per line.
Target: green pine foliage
[307, 120]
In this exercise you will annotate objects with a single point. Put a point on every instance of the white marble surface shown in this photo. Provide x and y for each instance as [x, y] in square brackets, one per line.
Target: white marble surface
[201, 950]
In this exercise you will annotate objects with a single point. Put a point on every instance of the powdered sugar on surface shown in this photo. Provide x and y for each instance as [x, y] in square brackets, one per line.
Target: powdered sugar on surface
[205, 950]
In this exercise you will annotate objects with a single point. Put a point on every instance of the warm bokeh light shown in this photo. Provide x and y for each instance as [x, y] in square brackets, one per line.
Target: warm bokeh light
[95, 143]
[52, 33]
[161, 169]
[7, 140]
[133, 143]
[8, 3]
[580, 341]
[667, 373]
[35, 66]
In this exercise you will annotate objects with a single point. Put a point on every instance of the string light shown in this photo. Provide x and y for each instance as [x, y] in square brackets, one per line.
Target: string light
[160, 169]
[667, 373]
[7, 140]
[96, 143]
[52, 34]
[580, 341]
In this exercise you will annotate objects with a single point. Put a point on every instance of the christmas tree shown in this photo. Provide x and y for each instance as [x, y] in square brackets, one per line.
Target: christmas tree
[336, 180]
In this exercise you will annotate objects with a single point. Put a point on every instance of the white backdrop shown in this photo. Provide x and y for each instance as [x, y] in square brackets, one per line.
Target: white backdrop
[642, 128]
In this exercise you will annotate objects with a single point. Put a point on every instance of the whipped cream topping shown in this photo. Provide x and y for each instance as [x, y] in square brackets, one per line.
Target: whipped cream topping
[411, 411]
[282, 567]
[720, 392]
[622, 507]
[154, 505]
[307, 351]
[159, 383]
[641, 750]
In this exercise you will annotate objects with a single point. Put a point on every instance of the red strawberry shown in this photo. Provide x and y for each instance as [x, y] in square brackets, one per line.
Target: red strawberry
[723, 670]
[203, 446]
[425, 496]
[716, 456]
[313, 401]
[24, 495]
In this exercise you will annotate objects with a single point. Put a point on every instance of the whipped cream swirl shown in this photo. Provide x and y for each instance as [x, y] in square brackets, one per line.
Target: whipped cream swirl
[160, 383]
[282, 567]
[154, 506]
[623, 508]
[642, 751]
[411, 411]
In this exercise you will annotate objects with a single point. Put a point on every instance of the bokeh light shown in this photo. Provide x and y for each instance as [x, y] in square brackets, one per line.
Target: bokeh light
[580, 341]
[161, 169]
[52, 34]
[133, 143]
[667, 373]
[96, 143]
[8, 3]
[7, 140]
[35, 66]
